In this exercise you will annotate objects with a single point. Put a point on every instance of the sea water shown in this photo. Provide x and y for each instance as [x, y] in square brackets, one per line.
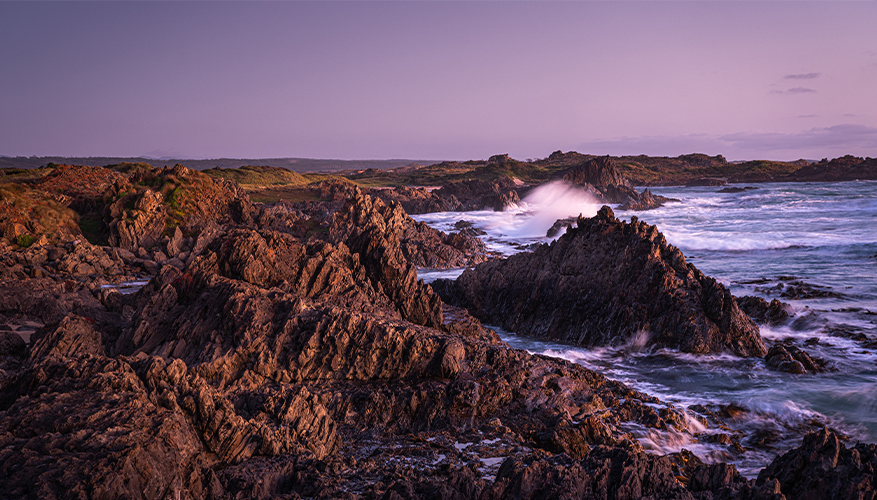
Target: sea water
[817, 237]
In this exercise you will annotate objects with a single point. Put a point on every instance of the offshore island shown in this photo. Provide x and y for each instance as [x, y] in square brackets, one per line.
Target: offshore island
[257, 332]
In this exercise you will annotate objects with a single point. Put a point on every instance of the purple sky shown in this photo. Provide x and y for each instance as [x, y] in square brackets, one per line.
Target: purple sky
[438, 80]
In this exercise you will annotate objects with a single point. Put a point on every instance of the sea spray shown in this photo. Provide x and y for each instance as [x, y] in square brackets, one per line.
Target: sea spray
[549, 202]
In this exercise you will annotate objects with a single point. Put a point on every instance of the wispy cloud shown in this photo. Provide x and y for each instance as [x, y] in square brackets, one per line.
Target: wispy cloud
[845, 136]
[793, 91]
[818, 142]
[802, 76]
[808, 116]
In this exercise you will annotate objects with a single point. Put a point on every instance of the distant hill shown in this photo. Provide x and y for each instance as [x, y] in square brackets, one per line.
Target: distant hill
[294, 164]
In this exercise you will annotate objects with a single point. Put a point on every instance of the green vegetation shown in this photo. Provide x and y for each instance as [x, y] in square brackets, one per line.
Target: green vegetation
[250, 177]
[24, 240]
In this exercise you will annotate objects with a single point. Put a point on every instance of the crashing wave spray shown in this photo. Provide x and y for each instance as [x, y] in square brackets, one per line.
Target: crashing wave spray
[545, 204]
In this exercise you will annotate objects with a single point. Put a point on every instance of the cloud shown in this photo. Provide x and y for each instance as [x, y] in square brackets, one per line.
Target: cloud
[835, 140]
[837, 137]
[793, 91]
[802, 76]
[808, 116]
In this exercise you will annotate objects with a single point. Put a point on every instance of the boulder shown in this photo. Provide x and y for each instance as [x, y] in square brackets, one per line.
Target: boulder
[607, 282]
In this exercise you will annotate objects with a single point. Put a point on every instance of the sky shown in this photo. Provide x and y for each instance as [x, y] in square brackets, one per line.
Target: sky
[444, 80]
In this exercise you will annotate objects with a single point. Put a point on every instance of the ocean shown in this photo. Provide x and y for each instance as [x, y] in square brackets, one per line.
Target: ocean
[810, 245]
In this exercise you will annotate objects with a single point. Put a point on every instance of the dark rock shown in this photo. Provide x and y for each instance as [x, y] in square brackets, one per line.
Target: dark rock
[174, 246]
[12, 345]
[88, 428]
[791, 359]
[615, 473]
[559, 224]
[644, 201]
[417, 200]
[822, 467]
[476, 194]
[607, 282]
[73, 336]
[600, 177]
[762, 312]
[736, 189]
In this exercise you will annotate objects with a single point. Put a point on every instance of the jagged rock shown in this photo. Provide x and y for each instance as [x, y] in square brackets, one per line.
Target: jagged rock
[607, 282]
[174, 246]
[601, 178]
[373, 230]
[144, 230]
[47, 300]
[428, 247]
[559, 224]
[791, 359]
[417, 200]
[603, 473]
[762, 312]
[177, 198]
[88, 428]
[84, 259]
[72, 336]
[822, 467]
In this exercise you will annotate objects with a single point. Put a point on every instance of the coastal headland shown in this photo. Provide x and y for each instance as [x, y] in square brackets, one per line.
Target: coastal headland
[257, 332]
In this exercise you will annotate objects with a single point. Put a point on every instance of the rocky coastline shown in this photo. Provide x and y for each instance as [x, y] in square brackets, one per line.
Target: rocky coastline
[289, 351]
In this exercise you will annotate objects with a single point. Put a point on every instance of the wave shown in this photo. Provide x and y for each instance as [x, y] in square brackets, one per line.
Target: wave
[546, 204]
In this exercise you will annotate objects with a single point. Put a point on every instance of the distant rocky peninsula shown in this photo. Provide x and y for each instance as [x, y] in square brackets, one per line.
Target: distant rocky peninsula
[284, 348]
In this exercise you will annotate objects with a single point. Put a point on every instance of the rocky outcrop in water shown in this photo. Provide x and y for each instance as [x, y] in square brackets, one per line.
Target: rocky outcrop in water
[791, 359]
[600, 178]
[607, 282]
[763, 312]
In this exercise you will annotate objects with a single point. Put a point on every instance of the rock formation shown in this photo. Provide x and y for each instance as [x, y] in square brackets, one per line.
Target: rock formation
[607, 282]
[417, 200]
[763, 312]
[261, 362]
[477, 194]
[600, 178]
